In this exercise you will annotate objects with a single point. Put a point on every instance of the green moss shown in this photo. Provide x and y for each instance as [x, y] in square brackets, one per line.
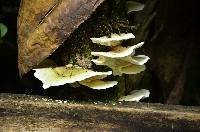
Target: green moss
[109, 18]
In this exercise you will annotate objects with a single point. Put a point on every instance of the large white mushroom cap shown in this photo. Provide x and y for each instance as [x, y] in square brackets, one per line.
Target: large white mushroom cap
[66, 74]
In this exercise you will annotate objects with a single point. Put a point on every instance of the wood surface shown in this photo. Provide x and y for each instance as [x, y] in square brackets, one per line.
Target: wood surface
[36, 113]
[43, 25]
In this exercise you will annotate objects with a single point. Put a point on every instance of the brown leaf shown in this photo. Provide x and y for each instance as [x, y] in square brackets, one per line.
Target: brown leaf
[43, 25]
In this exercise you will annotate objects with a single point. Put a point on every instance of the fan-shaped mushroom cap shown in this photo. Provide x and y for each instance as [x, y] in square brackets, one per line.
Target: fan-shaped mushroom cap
[114, 40]
[138, 60]
[119, 51]
[99, 84]
[136, 95]
[66, 74]
[132, 69]
[134, 6]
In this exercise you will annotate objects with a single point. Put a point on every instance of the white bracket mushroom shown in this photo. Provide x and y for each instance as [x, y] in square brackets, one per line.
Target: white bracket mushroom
[71, 74]
[120, 59]
[134, 6]
[114, 40]
[136, 95]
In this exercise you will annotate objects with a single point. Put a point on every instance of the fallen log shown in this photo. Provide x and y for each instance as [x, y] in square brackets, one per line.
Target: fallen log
[36, 113]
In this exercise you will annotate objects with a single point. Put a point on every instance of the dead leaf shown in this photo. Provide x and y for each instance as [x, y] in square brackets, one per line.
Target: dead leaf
[43, 25]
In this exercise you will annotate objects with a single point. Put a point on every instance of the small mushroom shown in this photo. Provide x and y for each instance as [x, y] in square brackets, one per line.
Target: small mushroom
[134, 6]
[99, 84]
[114, 40]
[138, 60]
[136, 95]
[132, 69]
[68, 74]
[95, 82]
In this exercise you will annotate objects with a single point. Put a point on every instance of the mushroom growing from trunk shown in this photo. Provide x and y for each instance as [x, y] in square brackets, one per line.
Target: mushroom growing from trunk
[49, 26]
[120, 59]
[70, 74]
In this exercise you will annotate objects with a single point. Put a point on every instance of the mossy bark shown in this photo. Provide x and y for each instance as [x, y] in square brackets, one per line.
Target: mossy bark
[109, 18]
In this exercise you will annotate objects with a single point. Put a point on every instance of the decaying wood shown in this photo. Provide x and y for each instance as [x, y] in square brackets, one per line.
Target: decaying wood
[43, 25]
[33, 113]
